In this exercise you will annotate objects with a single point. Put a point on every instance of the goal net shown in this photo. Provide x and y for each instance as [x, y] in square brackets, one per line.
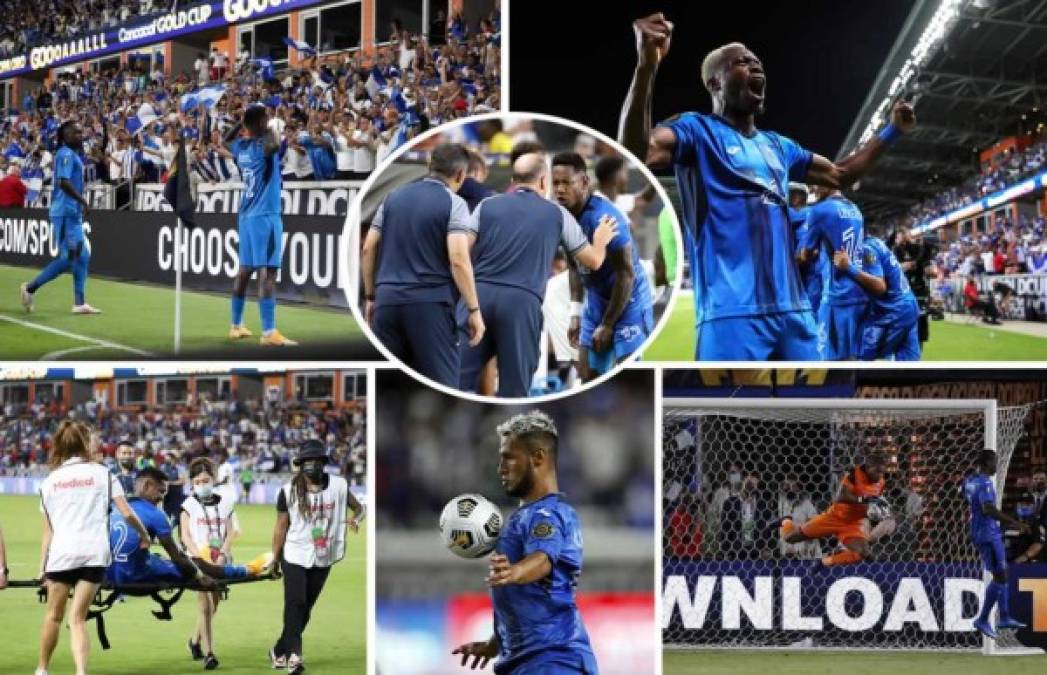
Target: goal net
[733, 468]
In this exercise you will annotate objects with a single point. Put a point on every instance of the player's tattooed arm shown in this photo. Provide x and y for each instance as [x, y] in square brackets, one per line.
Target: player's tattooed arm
[843, 174]
[653, 34]
[358, 512]
[624, 276]
[533, 567]
[183, 562]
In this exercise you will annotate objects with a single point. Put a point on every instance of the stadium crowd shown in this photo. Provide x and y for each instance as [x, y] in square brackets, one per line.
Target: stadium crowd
[336, 116]
[257, 437]
[1009, 247]
[27, 23]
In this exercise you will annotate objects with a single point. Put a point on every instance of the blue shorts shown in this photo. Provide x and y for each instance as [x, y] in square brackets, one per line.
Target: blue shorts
[840, 331]
[261, 241]
[551, 662]
[156, 568]
[69, 232]
[632, 329]
[994, 558]
[891, 337]
[784, 336]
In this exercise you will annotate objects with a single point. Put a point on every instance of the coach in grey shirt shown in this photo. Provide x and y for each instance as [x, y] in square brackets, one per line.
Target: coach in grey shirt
[517, 235]
[416, 265]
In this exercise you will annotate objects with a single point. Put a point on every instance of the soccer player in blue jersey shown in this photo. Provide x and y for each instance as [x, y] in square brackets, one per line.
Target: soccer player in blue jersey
[619, 311]
[814, 268]
[535, 569]
[68, 210]
[261, 227]
[986, 517]
[834, 223]
[890, 329]
[732, 177]
[134, 564]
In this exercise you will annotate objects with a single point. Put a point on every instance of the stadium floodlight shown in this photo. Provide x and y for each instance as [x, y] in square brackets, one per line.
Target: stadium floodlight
[939, 26]
[730, 582]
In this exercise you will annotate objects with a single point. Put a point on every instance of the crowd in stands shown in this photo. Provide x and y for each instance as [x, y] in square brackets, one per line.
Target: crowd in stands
[336, 116]
[257, 434]
[27, 23]
[1009, 247]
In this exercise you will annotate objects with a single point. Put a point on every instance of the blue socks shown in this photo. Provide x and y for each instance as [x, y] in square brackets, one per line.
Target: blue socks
[238, 310]
[80, 277]
[267, 308]
[52, 271]
[1003, 602]
[234, 571]
[993, 593]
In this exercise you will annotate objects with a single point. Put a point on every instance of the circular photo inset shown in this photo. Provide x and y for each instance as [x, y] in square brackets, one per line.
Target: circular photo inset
[512, 256]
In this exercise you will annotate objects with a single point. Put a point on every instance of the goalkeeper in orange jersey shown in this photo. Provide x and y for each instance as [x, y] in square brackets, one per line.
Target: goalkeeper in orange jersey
[861, 488]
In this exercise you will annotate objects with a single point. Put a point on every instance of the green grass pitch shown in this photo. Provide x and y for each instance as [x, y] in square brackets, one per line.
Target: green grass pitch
[846, 663]
[949, 341]
[138, 321]
[245, 627]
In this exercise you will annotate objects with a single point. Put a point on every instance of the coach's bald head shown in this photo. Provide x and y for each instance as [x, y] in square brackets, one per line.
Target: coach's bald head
[531, 170]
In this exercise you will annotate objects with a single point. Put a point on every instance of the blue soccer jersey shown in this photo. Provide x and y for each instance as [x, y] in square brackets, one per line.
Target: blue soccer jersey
[68, 166]
[879, 261]
[261, 174]
[130, 559]
[739, 240]
[600, 282]
[836, 224]
[816, 272]
[540, 621]
[979, 489]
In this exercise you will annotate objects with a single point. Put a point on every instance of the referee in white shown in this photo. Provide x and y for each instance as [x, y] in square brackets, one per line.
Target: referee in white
[308, 539]
[75, 499]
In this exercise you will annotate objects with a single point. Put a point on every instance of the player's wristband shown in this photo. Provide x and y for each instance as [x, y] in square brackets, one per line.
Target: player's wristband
[890, 134]
[576, 309]
[853, 271]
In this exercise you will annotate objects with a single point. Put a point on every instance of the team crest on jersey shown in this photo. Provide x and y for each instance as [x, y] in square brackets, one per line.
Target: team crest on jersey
[868, 258]
[542, 531]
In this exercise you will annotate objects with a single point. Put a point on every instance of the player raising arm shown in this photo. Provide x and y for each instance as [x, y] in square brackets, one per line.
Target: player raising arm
[260, 224]
[535, 570]
[845, 518]
[986, 517]
[890, 330]
[732, 178]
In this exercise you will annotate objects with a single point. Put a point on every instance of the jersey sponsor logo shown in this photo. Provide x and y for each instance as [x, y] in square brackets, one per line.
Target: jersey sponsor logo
[542, 530]
[733, 150]
[74, 483]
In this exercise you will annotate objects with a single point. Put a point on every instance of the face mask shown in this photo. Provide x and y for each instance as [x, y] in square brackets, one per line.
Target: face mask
[204, 491]
[127, 464]
[313, 470]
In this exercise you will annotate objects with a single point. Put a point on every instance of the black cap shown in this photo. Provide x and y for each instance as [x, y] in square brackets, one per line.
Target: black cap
[311, 449]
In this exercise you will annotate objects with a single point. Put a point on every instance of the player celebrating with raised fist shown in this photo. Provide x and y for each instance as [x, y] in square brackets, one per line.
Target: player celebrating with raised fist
[537, 563]
[845, 519]
[733, 179]
[68, 210]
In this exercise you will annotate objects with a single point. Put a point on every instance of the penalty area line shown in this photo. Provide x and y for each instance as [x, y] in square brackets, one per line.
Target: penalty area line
[73, 336]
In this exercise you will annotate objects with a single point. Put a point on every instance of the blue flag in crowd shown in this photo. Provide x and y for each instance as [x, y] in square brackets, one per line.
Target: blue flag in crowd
[301, 46]
[265, 67]
[206, 97]
[145, 116]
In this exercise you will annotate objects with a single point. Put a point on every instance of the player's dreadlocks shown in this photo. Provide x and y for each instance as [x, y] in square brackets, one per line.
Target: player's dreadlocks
[535, 429]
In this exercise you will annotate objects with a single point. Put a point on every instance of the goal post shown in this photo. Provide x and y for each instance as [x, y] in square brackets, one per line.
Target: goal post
[732, 468]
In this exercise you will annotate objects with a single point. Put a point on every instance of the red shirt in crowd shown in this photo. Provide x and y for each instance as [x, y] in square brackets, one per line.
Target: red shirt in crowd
[12, 191]
[999, 262]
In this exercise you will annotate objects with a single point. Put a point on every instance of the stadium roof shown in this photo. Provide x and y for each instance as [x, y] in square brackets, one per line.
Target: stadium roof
[976, 71]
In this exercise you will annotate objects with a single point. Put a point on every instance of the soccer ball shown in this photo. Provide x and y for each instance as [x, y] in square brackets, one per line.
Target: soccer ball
[469, 525]
[877, 513]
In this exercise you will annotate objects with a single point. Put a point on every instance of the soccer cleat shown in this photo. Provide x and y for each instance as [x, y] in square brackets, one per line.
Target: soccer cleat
[195, 651]
[260, 566]
[275, 339]
[210, 663]
[295, 665]
[1010, 623]
[85, 309]
[27, 297]
[238, 332]
[279, 662]
[985, 628]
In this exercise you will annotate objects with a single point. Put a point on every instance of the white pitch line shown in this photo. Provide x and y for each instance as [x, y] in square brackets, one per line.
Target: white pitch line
[54, 356]
[75, 336]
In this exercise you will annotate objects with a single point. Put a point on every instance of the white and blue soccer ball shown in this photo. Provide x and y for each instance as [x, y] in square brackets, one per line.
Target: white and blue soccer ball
[469, 525]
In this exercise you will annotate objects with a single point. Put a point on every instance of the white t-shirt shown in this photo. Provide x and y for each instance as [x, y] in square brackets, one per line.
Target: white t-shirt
[344, 155]
[200, 66]
[75, 497]
[556, 309]
[227, 491]
[220, 59]
[364, 155]
[209, 524]
[327, 513]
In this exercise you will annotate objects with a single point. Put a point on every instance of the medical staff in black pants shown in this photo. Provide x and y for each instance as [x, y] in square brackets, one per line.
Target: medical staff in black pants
[308, 539]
